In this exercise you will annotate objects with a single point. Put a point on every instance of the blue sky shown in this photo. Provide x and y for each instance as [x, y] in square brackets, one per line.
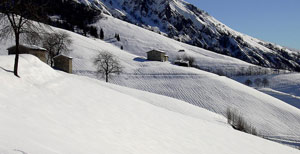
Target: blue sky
[276, 21]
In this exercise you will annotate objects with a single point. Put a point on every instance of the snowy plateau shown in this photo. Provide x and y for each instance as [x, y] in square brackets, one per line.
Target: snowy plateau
[152, 107]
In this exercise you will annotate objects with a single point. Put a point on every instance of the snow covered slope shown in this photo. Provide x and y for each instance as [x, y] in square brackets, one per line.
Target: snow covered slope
[285, 87]
[138, 41]
[51, 112]
[196, 87]
[191, 85]
[183, 21]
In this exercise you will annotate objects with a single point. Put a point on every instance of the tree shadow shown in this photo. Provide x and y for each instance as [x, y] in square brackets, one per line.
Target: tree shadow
[110, 40]
[140, 59]
[6, 70]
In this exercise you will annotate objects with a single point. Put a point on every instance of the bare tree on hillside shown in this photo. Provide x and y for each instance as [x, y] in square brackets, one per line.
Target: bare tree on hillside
[265, 82]
[56, 43]
[14, 22]
[107, 64]
[248, 82]
[258, 82]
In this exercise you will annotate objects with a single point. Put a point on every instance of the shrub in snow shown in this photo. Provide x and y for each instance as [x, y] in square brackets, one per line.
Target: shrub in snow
[258, 82]
[239, 123]
[248, 82]
[265, 82]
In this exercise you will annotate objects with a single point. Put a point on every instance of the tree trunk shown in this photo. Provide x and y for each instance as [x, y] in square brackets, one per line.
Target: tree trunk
[106, 77]
[51, 60]
[17, 55]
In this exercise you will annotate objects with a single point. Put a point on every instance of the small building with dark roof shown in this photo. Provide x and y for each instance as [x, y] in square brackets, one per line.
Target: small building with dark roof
[156, 55]
[63, 63]
[39, 52]
[182, 63]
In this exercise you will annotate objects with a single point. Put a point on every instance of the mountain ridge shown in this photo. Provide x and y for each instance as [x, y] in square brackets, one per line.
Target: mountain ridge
[186, 23]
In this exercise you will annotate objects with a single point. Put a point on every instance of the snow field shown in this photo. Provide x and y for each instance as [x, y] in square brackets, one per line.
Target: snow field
[51, 112]
[285, 87]
[270, 116]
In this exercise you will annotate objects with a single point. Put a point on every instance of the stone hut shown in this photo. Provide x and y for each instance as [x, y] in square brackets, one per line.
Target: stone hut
[182, 63]
[63, 63]
[156, 55]
[39, 52]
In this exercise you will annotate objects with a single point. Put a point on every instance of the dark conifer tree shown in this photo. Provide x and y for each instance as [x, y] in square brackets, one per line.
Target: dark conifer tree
[117, 36]
[101, 34]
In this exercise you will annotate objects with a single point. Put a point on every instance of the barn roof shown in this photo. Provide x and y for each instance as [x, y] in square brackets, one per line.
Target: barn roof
[62, 55]
[156, 51]
[33, 47]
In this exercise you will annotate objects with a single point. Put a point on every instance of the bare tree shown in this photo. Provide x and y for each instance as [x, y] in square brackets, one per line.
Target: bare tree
[265, 82]
[56, 43]
[14, 22]
[258, 82]
[107, 64]
[248, 82]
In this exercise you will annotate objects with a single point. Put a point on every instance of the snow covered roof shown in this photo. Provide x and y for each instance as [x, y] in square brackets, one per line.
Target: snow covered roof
[156, 51]
[33, 47]
[63, 56]
[181, 61]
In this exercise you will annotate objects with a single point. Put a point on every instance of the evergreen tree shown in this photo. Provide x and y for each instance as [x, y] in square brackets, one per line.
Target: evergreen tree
[117, 36]
[94, 32]
[248, 82]
[101, 34]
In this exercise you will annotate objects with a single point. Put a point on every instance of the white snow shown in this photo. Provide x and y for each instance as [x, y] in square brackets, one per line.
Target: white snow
[82, 115]
[270, 116]
[138, 41]
[51, 112]
[285, 87]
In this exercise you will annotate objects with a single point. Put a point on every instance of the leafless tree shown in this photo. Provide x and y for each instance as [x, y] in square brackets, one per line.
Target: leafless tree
[248, 82]
[107, 64]
[265, 82]
[17, 19]
[56, 43]
[258, 82]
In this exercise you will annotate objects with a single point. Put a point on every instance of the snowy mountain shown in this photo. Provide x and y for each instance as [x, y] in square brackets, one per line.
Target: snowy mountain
[186, 23]
[50, 112]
